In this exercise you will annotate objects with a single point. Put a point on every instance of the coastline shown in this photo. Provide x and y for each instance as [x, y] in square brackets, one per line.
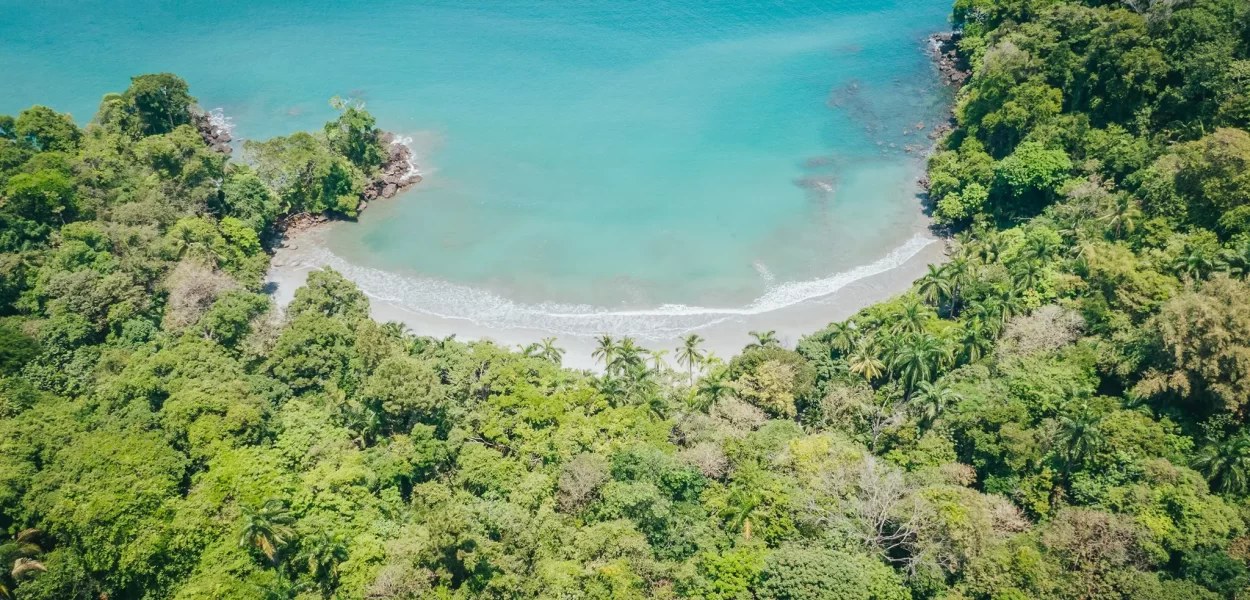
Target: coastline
[725, 330]
[725, 335]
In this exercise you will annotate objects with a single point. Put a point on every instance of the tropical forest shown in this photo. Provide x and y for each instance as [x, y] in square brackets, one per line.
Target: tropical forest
[1059, 411]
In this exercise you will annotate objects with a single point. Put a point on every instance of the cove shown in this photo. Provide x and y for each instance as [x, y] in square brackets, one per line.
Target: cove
[668, 164]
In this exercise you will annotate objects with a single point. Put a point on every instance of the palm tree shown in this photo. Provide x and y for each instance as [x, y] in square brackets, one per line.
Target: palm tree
[1079, 437]
[958, 270]
[610, 387]
[396, 329]
[657, 360]
[689, 354]
[365, 421]
[528, 350]
[990, 247]
[1238, 260]
[931, 399]
[919, 358]
[1226, 464]
[320, 557]
[911, 318]
[863, 361]
[626, 356]
[712, 387]
[1197, 262]
[767, 339]
[549, 351]
[743, 500]
[935, 286]
[843, 336]
[1039, 248]
[974, 340]
[605, 350]
[1026, 273]
[266, 528]
[1122, 215]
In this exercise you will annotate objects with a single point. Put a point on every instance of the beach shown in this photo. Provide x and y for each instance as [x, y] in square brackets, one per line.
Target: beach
[726, 334]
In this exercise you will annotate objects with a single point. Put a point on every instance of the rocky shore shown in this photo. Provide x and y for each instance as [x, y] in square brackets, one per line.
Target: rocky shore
[954, 72]
[396, 174]
[214, 132]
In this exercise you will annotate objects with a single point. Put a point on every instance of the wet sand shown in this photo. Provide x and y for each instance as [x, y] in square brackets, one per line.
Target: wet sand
[292, 263]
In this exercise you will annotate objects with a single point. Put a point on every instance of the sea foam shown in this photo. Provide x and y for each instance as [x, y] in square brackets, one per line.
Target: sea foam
[456, 301]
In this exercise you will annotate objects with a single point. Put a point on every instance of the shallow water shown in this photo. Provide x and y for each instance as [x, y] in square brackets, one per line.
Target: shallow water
[647, 157]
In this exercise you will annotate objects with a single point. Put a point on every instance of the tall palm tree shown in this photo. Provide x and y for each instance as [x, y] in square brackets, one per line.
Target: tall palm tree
[1122, 215]
[396, 329]
[959, 270]
[990, 247]
[766, 339]
[1226, 464]
[863, 361]
[843, 336]
[931, 400]
[935, 286]
[549, 351]
[689, 354]
[626, 356]
[1079, 436]
[974, 340]
[911, 318]
[605, 350]
[1197, 262]
[320, 557]
[919, 358]
[267, 528]
[657, 360]
[1038, 248]
[712, 387]
[1027, 273]
[1238, 260]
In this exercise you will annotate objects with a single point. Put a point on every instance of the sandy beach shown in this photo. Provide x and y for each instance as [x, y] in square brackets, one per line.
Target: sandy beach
[303, 252]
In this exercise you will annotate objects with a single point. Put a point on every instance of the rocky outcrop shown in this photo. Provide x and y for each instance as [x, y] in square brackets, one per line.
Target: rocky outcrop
[213, 129]
[396, 175]
[952, 69]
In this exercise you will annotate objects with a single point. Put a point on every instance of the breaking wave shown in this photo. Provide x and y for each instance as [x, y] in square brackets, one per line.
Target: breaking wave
[455, 301]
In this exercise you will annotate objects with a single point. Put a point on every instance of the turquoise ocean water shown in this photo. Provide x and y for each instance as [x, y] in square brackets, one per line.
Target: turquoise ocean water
[637, 160]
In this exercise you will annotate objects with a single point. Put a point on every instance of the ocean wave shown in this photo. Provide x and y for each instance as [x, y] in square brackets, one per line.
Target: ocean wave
[218, 119]
[455, 301]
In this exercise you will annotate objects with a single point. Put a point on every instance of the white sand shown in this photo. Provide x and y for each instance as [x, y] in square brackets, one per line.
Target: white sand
[292, 262]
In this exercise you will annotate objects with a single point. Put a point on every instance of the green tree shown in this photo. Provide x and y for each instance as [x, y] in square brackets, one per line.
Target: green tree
[689, 354]
[1226, 463]
[1030, 177]
[47, 130]
[1079, 436]
[157, 103]
[605, 350]
[307, 175]
[765, 339]
[266, 528]
[550, 352]
[931, 399]
[320, 556]
[327, 293]
[354, 135]
[794, 572]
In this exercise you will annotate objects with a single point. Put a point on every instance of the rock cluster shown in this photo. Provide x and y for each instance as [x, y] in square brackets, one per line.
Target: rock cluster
[396, 174]
[952, 70]
[215, 136]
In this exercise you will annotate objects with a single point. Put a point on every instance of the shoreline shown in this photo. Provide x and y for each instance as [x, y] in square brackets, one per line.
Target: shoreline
[725, 335]
[299, 249]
